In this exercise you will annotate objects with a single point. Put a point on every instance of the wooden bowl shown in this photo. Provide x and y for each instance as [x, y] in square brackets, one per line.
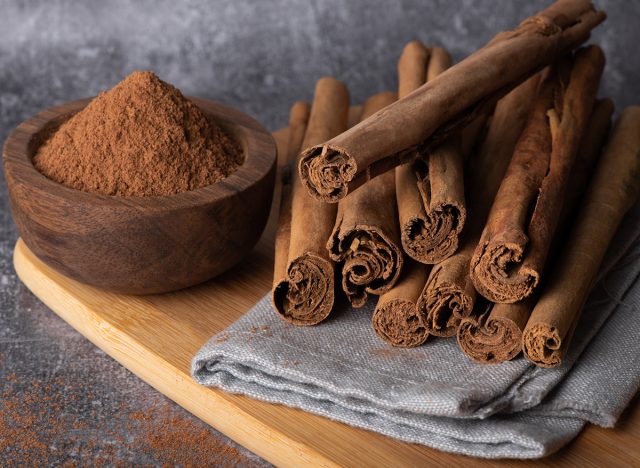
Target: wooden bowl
[141, 245]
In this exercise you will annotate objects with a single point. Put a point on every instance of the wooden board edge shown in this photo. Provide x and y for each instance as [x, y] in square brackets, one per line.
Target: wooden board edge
[209, 405]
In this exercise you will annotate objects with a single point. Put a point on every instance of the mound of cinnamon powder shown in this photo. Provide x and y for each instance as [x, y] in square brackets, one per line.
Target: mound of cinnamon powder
[141, 138]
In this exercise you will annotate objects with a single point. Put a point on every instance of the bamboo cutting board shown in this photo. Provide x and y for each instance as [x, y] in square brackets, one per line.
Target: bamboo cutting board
[156, 336]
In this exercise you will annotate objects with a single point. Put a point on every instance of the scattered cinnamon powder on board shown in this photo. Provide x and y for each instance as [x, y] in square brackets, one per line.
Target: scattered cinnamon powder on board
[181, 443]
[141, 138]
[47, 423]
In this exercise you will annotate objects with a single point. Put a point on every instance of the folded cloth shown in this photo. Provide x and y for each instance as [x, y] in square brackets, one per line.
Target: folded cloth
[433, 394]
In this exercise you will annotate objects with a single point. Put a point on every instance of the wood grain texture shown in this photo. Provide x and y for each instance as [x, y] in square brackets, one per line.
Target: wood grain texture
[156, 336]
[141, 245]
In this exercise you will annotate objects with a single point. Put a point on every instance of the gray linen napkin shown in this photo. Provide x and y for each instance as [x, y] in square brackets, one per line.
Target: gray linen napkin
[433, 394]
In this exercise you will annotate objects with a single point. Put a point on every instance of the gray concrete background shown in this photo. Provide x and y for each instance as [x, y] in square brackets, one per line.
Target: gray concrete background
[258, 56]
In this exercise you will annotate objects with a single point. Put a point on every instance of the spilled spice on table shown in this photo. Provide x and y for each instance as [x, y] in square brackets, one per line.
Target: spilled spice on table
[40, 424]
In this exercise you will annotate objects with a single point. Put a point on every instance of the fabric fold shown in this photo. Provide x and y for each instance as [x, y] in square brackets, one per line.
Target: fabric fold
[433, 394]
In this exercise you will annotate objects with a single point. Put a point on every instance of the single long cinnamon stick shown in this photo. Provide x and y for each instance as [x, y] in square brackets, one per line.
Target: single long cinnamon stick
[449, 295]
[613, 190]
[429, 190]
[304, 293]
[447, 103]
[512, 251]
[395, 319]
[298, 120]
[496, 335]
[366, 236]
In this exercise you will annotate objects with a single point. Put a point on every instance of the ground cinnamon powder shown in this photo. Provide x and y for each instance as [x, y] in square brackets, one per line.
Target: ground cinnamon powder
[41, 425]
[141, 138]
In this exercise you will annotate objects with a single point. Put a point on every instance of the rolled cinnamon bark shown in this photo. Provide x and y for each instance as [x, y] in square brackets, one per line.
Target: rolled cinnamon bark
[355, 112]
[496, 335]
[513, 249]
[304, 293]
[395, 319]
[366, 236]
[412, 67]
[298, 119]
[449, 295]
[429, 190]
[590, 150]
[447, 103]
[489, 338]
[612, 191]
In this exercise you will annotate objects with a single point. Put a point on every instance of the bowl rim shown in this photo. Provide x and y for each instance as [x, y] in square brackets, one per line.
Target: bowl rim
[258, 145]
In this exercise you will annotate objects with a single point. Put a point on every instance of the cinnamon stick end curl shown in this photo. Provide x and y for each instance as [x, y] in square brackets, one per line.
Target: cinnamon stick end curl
[397, 323]
[306, 296]
[541, 344]
[498, 340]
[326, 172]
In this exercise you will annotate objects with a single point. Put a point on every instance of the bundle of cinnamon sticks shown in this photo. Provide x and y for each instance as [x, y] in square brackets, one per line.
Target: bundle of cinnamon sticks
[476, 202]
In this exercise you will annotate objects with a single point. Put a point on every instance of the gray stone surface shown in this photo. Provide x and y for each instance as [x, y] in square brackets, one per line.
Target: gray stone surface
[258, 56]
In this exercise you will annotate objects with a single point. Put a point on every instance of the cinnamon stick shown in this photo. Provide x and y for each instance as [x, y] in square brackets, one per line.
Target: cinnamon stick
[355, 112]
[449, 294]
[447, 103]
[430, 198]
[366, 236]
[512, 251]
[496, 335]
[395, 319]
[613, 190]
[298, 120]
[489, 337]
[304, 293]
[429, 190]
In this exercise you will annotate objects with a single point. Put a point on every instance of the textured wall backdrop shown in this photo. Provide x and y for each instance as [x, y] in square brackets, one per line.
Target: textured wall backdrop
[257, 55]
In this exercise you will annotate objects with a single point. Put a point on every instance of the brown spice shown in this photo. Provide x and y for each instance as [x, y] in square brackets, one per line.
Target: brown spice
[141, 138]
[303, 292]
[174, 440]
[39, 426]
